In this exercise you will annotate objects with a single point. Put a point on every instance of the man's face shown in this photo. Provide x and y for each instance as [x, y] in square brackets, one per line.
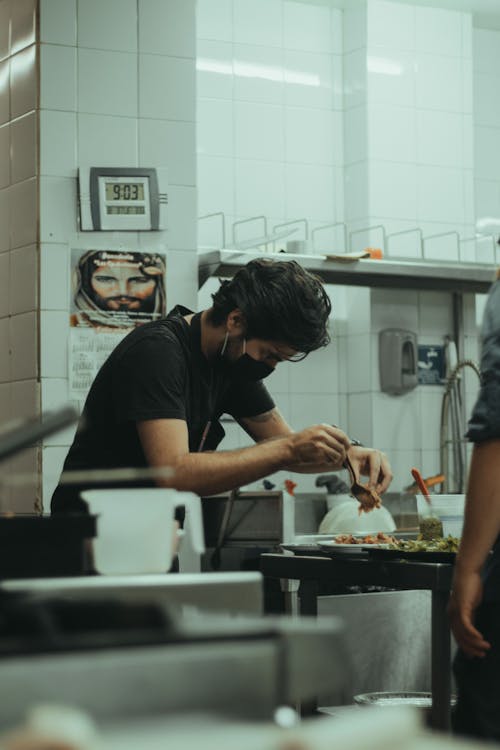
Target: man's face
[269, 352]
[120, 288]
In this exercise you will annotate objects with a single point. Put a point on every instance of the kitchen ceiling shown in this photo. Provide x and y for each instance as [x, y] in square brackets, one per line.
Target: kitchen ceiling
[486, 13]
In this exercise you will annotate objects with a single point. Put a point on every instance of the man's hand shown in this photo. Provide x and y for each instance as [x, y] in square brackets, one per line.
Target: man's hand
[465, 597]
[321, 445]
[371, 463]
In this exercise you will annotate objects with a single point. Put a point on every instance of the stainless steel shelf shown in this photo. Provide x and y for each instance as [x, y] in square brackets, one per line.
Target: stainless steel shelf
[389, 274]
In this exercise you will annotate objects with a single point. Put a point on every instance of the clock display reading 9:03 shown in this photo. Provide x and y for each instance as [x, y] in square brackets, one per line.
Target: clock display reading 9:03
[124, 191]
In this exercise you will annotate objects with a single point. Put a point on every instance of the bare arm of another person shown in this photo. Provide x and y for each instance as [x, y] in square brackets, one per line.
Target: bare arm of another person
[165, 443]
[481, 528]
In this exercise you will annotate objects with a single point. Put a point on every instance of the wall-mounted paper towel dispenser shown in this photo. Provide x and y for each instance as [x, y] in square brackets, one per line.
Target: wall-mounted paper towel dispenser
[398, 361]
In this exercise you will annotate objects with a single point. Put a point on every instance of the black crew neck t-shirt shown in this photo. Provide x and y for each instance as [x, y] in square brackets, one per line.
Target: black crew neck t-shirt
[157, 371]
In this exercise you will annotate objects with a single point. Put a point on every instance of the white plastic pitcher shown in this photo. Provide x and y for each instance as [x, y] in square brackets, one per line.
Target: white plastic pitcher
[135, 528]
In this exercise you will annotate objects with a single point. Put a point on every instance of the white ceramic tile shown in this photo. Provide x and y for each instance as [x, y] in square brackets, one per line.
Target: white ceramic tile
[356, 190]
[4, 30]
[393, 190]
[360, 418]
[355, 27]
[5, 348]
[441, 241]
[391, 76]
[214, 127]
[439, 31]
[110, 26]
[391, 308]
[182, 217]
[167, 27]
[439, 138]
[214, 20]
[57, 77]
[23, 82]
[5, 403]
[359, 363]
[356, 134]
[258, 73]
[58, 22]
[23, 147]
[54, 396]
[5, 156]
[58, 218]
[402, 462]
[22, 25]
[392, 133]
[308, 79]
[311, 409]
[431, 398]
[469, 202]
[467, 35]
[307, 27]
[52, 464]
[214, 69]
[54, 277]
[4, 91]
[25, 396]
[175, 79]
[260, 188]
[309, 191]
[24, 346]
[355, 78]
[468, 142]
[58, 143]
[107, 140]
[215, 182]
[337, 42]
[258, 22]
[23, 280]
[435, 313]
[23, 213]
[5, 219]
[467, 86]
[358, 310]
[487, 153]
[486, 106]
[318, 373]
[258, 131]
[338, 82]
[103, 80]
[4, 284]
[440, 194]
[486, 50]
[170, 144]
[309, 135]
[439, 82]
[337, 124]
[279, 382]
[182, 273]
[54, 335]
[486, 198]
[391, 24]
[396, 421]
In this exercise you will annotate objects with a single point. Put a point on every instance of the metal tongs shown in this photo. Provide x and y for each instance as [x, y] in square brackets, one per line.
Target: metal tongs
[366, 497]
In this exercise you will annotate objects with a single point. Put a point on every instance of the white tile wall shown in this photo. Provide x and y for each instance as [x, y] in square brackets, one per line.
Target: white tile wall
[23, 278]
[258, 72]
[214, 69]
[215, 127]
[4, 91]
[172, 144]
[5, 156]
[58, 143]
[388, 21]
[307, 27]
[176, 77]
[4, 30]
[108, 26]
[214, 20]
[23, 82]
[23, 147]
[107, 140]
[248, 22]
[22, 25]
[107, 82]
[57, 208]
[54, 277]
[24, 346]
[58, 77]
[58, 21]
[23, 213]
[157, 33]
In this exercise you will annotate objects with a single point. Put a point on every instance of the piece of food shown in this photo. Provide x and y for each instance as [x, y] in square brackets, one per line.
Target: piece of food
[431, 528]
[379, 538]
[368, 499]
[448, 544]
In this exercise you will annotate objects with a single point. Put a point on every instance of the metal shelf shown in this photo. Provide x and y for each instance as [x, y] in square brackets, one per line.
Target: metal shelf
[386, 273]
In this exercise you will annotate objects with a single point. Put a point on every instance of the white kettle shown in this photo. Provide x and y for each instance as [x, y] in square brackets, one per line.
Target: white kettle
[343, 515]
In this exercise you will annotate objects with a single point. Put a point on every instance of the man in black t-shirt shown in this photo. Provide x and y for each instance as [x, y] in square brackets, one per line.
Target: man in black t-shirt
[158, 398]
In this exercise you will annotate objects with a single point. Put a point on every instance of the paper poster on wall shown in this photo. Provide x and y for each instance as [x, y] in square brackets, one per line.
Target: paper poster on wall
[112, 292]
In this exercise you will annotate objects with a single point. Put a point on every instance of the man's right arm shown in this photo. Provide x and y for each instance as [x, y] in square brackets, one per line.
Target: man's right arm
[165, 443]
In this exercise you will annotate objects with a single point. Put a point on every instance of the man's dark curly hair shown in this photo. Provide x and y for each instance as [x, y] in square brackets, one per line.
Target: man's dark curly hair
[280, 300]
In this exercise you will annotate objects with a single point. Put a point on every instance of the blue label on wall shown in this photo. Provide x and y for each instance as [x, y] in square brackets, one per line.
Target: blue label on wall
[431, 365]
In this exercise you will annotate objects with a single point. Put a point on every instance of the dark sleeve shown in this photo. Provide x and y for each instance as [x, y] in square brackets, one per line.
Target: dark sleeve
[149, 381]
[248, 399]
[484, 423]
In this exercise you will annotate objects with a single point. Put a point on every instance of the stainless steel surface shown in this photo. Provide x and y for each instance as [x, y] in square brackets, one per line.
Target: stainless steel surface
[240, 667]
[238, 592]
[398, 274]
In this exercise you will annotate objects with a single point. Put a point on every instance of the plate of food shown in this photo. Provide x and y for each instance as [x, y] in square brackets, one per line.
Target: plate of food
[422, 550]
[351, 544]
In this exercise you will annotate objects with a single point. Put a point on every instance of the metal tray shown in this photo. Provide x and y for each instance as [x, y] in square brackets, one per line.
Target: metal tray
[420, 556]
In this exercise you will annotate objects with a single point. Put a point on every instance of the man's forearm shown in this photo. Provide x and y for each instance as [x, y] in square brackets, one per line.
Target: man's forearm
[482, 508]
[208, 473]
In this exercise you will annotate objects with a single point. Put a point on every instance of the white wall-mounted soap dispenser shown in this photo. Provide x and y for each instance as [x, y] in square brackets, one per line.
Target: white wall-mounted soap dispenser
[398, 361]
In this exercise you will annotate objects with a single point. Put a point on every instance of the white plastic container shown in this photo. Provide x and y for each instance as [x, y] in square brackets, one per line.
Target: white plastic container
[448, 508]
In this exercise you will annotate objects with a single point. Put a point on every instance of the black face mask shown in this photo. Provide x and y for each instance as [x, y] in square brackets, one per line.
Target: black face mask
[248, 368]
